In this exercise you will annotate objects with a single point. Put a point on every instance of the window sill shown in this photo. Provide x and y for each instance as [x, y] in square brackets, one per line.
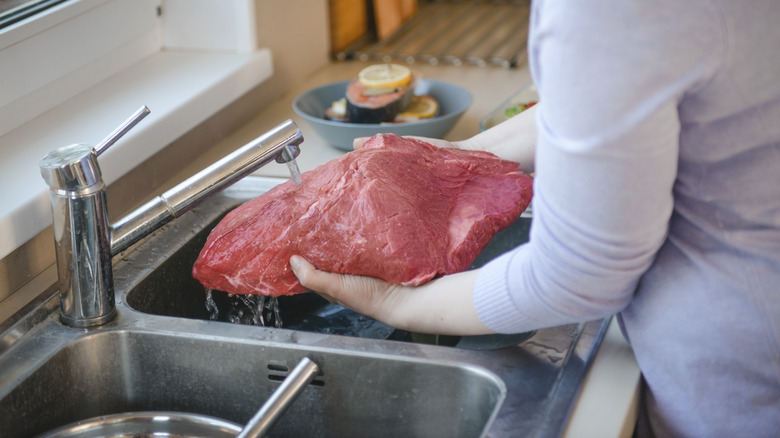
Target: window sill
[181, 88]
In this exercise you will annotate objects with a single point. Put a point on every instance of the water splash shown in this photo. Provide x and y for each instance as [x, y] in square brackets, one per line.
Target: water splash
[306, 312]
[255, 306]
[269, 308]
[211, 306]
[274, 303]
[257, 310]
[235, 313]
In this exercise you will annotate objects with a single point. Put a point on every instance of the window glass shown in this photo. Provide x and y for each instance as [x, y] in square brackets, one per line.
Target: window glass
[12, 11]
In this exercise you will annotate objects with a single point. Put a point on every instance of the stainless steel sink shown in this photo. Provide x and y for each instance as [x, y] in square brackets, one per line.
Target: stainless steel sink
[229, 378]
[163, 352]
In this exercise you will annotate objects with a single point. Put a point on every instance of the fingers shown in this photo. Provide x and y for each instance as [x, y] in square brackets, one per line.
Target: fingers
[360, 293]
[438, 142]
[358, 142]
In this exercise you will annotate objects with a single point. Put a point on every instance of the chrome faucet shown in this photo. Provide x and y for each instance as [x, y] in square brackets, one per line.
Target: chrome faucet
[85, 240]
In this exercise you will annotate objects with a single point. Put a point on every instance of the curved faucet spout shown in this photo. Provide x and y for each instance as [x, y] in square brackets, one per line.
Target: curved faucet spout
[86, 242]
[190, 193]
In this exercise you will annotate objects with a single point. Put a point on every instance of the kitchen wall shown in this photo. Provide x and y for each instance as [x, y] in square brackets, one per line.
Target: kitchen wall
[297, 33]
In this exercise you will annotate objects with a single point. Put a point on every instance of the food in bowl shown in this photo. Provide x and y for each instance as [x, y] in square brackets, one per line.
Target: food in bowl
[382, 93]
[311, 105]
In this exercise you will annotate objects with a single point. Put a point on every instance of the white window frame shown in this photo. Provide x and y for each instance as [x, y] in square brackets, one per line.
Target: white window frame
[73, 72]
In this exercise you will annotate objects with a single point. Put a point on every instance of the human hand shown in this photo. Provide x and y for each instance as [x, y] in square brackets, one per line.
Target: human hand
[441, 306]
[367, 295]
[513, 139]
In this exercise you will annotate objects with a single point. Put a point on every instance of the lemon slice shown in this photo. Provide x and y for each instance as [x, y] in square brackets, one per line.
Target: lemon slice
[385, 76]
[420, 107]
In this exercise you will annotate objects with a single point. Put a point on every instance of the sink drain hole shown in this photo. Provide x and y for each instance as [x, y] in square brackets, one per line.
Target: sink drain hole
[278, 372]
[280, 378]
[277, 367]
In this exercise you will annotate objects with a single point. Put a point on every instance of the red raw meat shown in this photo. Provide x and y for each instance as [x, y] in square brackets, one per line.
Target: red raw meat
[397, 208]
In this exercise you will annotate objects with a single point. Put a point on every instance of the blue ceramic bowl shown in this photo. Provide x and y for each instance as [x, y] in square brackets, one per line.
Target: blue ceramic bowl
[311, 105]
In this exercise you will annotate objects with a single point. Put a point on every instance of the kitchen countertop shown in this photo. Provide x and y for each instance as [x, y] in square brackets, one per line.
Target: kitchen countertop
[607, 403]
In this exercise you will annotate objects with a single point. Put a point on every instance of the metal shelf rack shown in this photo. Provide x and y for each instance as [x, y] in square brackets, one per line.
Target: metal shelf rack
[457, 32]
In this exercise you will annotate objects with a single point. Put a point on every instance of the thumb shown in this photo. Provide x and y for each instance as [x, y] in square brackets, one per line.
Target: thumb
[313, 279]
[304, 270]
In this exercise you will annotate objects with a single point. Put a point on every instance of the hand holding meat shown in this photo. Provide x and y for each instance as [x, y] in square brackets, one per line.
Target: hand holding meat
[441, 306]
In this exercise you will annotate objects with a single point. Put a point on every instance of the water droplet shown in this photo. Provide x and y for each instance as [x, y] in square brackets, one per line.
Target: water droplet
[211, 306]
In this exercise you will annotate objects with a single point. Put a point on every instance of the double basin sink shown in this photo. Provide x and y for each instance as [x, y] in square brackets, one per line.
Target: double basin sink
[166, 351]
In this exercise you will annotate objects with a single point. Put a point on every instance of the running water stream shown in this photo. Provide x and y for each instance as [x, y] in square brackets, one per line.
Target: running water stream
[295, 172]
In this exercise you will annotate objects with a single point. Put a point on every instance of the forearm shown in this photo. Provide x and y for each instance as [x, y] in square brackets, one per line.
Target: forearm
[442, 306]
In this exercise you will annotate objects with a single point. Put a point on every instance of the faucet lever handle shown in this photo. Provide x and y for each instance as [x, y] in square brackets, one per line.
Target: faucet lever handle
[121, 130]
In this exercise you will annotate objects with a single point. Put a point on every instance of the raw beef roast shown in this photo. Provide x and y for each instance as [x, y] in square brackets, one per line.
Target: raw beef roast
[397, 208]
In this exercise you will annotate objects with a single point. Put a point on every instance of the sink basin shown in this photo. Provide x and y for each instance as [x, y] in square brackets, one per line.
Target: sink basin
[128, 370]
[164, 265]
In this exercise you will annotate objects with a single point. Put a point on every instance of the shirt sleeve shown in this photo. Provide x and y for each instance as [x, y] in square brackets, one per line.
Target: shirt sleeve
[610, 76]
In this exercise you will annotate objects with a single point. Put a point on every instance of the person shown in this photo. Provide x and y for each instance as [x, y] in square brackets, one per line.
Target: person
[656, 197]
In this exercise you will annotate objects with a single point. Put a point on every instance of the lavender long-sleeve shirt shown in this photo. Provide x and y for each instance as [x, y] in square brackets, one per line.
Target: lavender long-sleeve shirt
[657, 197]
